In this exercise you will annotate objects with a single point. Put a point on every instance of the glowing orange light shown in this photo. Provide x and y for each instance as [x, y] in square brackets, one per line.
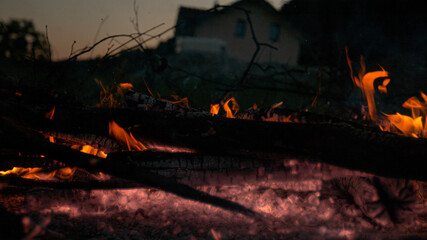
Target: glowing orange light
[365, 81]
[122, 136]
[126, 86]
[254, 107]
[407, 125]
[93, 151]
[214, 109]
[235, 107]
[50, 114]
[36, 173]
[183, 101]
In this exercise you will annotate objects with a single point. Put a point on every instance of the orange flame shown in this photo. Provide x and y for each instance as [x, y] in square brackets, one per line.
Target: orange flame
[91, 150]
[407, 125]
[254, 107]
[235, 107]
[36, 173]
[184, 100]
[126, 86]
[112, 96]
[365, 81]
[215, 109]
[50, 114]
[122, 136]
[229, 114]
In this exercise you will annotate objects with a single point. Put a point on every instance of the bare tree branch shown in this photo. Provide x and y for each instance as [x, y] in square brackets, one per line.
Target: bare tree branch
[258, 46]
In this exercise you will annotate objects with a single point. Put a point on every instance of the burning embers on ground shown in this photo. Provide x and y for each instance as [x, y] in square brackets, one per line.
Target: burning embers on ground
[156, 190]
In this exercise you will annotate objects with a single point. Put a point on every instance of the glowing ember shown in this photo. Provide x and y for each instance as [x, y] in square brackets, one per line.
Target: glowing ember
[183, 101]
[36, 173]
[134, 145]
[50, 114]
[126, 86]
[122, 136]
[90, 150]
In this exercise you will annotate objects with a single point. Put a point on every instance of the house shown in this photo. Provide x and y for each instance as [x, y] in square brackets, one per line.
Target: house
[227, 31]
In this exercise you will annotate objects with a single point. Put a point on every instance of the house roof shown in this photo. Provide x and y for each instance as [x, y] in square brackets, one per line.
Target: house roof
[189, 18]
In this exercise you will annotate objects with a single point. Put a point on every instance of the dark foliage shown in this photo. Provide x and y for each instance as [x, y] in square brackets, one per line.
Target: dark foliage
[376, 29]
[20, 40]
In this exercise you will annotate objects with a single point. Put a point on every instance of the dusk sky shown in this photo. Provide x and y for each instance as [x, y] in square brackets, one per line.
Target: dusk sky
[79, 20]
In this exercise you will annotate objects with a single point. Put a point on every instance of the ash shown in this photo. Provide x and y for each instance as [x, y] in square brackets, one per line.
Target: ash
[308, 209]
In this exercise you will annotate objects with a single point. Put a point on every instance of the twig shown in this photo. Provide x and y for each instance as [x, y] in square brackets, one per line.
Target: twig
[72, 49]
[88, 49]
[49, 51]
[147, 40]
[135, 20]
[103, 20]
[258, 45]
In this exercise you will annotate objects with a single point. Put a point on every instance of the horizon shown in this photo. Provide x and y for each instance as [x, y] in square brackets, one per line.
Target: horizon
[97, 19]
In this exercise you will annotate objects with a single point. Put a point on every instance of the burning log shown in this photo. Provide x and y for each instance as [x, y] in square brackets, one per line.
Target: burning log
[117, 168]
[343, 144]
[227, 152]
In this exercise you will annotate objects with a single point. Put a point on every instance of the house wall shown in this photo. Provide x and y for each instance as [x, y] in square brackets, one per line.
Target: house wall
[223, 26]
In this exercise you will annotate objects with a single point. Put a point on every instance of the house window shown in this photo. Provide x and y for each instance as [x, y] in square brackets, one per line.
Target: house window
[240, 28]
[274, 32]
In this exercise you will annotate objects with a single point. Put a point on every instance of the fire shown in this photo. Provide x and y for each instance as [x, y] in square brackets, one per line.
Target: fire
[112, 96]
[90, 150]
[235, 107]
[122, 136]
[178, 99]
[215, 109]
[134, 145]
[126, 86]
[36, 173]
[407, 125]
[365, 81]
[229, 113]
[50, 114]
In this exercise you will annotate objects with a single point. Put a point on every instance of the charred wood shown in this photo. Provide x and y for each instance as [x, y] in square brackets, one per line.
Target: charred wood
[118, 168]
[199, 169]
[383, 201]
[17, 182]
[343, 144]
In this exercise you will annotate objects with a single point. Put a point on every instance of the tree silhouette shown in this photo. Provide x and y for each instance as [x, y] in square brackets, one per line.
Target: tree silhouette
[20, 40]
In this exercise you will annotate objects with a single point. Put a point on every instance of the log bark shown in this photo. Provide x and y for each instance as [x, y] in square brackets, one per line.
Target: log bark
[342, 144]
[28, 140]
[339, 143]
